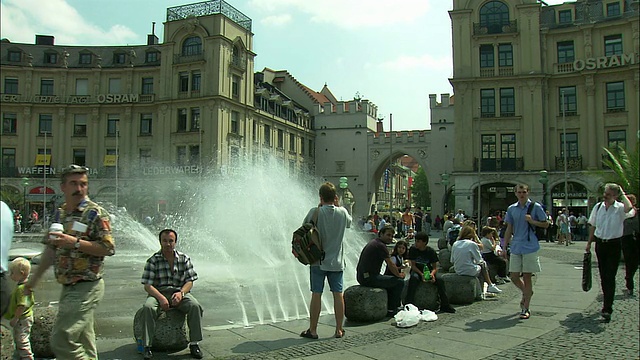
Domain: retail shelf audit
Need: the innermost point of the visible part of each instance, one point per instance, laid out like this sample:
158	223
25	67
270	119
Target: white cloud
410	62
22	19
276	20
352	14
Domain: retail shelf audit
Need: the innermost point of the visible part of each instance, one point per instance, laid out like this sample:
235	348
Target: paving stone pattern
578	337
581	336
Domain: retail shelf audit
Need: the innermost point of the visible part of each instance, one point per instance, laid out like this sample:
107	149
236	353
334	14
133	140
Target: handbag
586	271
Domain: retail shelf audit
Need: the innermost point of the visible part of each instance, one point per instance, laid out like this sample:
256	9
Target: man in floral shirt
77	255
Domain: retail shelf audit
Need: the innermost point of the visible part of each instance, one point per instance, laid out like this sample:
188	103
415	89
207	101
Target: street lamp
444	178
25	211
544	179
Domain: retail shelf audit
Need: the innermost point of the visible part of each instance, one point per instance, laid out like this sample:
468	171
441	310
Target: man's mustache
76	193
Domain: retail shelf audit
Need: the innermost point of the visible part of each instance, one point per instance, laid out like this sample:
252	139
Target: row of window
186	82
507	146
612	9
566	49
567	96
496	13
11	86
45	124
565	52
87	58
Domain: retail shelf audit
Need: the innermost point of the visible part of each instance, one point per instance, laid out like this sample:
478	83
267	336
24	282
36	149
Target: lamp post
544	179
564	151
444	178
25	211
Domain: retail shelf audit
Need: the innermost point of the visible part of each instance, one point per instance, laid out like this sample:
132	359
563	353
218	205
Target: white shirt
465	256
609	223
582	220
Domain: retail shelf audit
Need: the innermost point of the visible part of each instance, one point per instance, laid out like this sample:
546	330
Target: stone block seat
365	304
426	296
462	290
171	330
444	257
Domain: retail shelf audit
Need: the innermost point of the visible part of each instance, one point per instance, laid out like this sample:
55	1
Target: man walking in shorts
524	244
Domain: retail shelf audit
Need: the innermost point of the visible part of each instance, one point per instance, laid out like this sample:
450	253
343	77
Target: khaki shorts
524	263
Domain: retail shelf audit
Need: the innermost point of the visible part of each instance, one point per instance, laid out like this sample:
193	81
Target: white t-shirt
465	256
487	245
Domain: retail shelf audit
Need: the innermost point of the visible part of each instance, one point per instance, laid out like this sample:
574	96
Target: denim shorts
316	278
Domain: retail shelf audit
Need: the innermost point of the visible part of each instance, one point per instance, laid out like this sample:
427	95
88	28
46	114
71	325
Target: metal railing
507	27
573	163
209	8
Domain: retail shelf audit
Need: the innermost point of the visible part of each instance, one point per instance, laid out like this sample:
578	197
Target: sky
393	53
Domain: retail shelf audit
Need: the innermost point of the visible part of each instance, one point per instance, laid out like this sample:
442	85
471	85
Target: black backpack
540	233
306	245
453	235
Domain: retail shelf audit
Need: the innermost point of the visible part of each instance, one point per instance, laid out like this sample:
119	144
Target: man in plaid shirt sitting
168	278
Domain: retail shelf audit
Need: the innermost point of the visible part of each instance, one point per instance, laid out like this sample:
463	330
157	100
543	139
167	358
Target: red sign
41	190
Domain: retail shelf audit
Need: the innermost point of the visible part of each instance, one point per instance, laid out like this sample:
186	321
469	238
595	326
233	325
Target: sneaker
493	289
195	351
147	354
499	281
606	317
506	279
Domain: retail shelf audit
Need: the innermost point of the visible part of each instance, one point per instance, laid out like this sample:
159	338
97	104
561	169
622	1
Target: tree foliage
420	194
626	170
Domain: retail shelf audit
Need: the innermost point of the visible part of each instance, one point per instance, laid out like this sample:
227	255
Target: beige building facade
532	80
185	108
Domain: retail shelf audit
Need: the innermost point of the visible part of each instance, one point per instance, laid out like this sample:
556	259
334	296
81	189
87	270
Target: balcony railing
508	27
184	59
147	98
564	68
205	8
573	163
503	164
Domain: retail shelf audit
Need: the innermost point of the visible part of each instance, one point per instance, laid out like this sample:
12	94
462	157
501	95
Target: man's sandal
307	334
338	335
525	314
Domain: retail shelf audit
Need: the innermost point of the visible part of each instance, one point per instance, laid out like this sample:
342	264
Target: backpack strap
529	210
314	221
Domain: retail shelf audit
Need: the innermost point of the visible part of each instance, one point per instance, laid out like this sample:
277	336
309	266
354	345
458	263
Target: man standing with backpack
332	223
524	245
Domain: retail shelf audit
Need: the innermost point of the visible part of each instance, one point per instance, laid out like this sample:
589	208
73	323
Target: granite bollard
171	331
365	304
461	289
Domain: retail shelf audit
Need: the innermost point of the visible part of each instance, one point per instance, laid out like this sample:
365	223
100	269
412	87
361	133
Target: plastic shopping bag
428	315
408	317
586	271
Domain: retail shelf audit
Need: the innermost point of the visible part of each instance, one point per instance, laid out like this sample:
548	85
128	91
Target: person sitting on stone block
168	278
491	254
370	264
467	260
424	261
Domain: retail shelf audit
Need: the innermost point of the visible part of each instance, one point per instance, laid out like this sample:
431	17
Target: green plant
624	165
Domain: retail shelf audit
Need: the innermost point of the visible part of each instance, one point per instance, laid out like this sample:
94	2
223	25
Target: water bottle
55	228
427	273
140	346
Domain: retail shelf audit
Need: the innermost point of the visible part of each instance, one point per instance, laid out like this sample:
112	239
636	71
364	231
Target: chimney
44	40
152	39
379	126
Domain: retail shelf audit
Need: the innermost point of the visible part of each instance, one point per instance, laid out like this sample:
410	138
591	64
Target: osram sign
604	62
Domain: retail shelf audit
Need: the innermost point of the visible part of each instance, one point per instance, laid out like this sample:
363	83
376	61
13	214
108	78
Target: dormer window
152	57
14	56
51	58
118	58
192	46
86	59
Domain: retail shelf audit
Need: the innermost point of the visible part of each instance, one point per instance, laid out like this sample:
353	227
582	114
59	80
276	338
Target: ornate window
494	15
507	102
566	53
487	103
192	46
569	99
